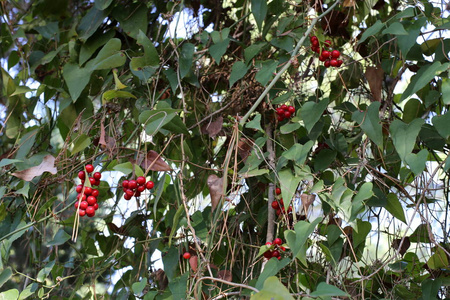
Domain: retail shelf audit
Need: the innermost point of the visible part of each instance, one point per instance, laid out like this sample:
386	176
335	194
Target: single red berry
269	244
280	118
83	204
335	53
333	63
316	49
268	254
321	58
313	38
125	184
186	255
132	184
95	206
275	205
275	253
82	175
291	109
87	190
140	180
95	193
326	64
149	185
289	209
82	212
79	188
82	196
91	200
315	43
127	197
280	111
326	53
92	180
76	204
141	188
283	248
281	202
278	191
278	212
89	168
97	182
97	175
283	107
129	192
287	114
137	194
339	63
327	43
278	241
90	211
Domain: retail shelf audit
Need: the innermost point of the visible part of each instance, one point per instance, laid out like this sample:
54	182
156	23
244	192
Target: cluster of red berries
87	196
278	204
136	187
285	112
328	57
274	249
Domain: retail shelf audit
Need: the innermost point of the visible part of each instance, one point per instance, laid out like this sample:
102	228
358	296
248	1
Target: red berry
132	184
82	175
275	205
315	43
280	111
287	114
92	180
95	193
140	180
281	202
137	194
90	211
269	244
76	204
313	38
316	49
283	248
97	182
125	184
95	206
283	107
339	63
82	212
289	209
275	253
278	241
327	43
326	64
82	196
268	254
129	192
149	185
280	118
83	204
326	54
89	168
79	188
127	197
97	175
335	53
333	63
87	190
278	212
91	200
278	191
321	58
141	188
186	255
291	109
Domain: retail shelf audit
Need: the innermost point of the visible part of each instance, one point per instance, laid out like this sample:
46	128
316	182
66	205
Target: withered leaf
213	128
154	162
47	165
193	262
307	200
405	246
161	278
244	148
374	76
225	275
215	185
348	3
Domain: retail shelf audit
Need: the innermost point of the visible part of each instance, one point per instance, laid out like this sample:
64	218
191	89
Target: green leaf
272	267
297	239
311	112
8	161
102	4
150	54
90	22
428	47
360	233
60	238
186	59
238	71
289	127
109	56
81	143
22	90
76	79
221	41
323	159
423	77
93	43
255	123
404	136
154	120
395	207
26	143
445	90
417	162
441	123
178	286
370	123
325	290
112	94
406	42
259	11
438	260
298	152
132	17
289	184
125	168
372	30
49	31
170	261
395	28
430	287
413	109
44	272
420	235
138	287
5	276
9	294
266	71
252	50
365	192
273	289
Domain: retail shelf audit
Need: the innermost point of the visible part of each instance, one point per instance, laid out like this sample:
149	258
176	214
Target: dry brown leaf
155	162
193	262
213	128
349	3
374	76
225	275
307	200
405	246
215	185
244	148
47	165
161	278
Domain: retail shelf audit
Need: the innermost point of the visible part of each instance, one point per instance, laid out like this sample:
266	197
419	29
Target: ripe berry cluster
278	204
328	57
274	249
285	112
136	187
87	196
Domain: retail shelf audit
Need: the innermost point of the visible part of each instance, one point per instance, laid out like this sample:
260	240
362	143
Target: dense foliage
186	95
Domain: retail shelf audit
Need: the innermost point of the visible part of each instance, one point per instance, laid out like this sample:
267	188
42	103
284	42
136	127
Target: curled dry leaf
47	165
161	278
244	148
193	262
225	275
215	185
213	128
374	76
307	200
154	162
405	246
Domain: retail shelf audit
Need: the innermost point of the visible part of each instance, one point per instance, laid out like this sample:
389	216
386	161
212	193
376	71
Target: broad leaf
395	207
311	112
404	136
259	11
273	289
238	71
370	123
